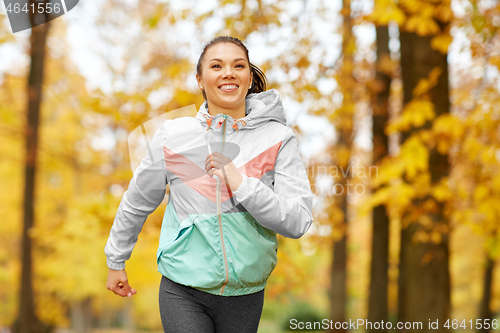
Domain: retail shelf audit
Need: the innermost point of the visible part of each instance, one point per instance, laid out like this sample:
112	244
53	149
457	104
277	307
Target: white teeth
228	87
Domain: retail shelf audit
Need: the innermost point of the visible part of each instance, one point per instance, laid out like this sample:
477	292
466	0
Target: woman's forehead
225	51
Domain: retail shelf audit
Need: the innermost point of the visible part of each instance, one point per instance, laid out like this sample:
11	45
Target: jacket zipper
219	199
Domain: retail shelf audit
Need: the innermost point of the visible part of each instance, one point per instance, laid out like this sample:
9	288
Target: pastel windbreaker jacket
212	239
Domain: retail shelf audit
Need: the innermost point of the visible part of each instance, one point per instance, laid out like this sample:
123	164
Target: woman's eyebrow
217	59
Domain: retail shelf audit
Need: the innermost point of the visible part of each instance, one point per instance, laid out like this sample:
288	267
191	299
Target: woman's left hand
223	166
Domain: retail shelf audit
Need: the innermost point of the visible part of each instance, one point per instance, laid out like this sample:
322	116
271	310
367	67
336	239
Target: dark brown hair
259	80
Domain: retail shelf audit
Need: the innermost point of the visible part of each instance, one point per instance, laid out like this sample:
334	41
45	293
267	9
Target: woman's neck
234	113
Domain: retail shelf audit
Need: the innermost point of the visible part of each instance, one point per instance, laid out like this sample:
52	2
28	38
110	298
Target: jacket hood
259	109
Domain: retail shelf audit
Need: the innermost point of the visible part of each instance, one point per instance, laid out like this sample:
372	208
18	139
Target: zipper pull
221	120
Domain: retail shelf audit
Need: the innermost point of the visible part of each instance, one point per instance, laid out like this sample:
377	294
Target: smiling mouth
228	87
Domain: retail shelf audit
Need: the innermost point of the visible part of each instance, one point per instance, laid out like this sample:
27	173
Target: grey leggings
184	309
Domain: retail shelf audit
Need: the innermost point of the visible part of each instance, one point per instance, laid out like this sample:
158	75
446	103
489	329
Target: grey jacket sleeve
145	192
288	209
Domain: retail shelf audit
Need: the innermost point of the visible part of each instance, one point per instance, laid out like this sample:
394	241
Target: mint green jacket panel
191	255
252	250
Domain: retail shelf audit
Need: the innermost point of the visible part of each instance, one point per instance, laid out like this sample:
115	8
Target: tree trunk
338	282
484	309
128	317
377	302
338	279
405	238
81	315
27	321
424	285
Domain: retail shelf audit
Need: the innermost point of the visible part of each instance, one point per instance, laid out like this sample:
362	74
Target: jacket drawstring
235	125
209	120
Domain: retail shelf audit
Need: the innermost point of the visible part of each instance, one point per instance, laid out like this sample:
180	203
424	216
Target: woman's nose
228	72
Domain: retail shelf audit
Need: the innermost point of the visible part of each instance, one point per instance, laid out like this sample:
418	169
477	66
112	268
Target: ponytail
259	81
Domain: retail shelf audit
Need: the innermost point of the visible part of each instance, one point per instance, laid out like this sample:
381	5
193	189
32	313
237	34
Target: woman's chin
231	101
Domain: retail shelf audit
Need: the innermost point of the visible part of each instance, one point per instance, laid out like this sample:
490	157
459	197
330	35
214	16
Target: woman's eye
240	65
213	66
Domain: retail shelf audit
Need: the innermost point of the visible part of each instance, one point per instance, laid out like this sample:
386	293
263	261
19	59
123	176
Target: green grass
268	326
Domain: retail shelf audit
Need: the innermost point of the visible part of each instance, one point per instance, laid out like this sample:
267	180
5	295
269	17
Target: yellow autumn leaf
471	147
424	135
415	114
430	206
385	11
488	155
419	111
389	170
396	14
443	11
434	75
487	210
386	64
491	245
425	221
415	155
402	196
343	155
441	42
436	237
480	192
441	190
423	86
420	236
422	25
399	124
446	129
411	6
380	196
495	61
426	84
495	182
421	184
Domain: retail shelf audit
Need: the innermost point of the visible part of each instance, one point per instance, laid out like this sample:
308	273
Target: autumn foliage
438	173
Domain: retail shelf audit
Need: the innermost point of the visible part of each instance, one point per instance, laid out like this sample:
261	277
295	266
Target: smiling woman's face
225	76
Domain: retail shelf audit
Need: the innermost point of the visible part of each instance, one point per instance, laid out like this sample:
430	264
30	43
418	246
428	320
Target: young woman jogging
236	181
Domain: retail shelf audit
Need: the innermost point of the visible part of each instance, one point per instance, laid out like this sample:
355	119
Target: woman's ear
198	79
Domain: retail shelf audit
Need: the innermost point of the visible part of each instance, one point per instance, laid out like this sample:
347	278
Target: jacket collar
259	109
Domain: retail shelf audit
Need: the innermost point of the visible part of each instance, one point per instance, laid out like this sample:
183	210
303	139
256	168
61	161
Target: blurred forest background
396	107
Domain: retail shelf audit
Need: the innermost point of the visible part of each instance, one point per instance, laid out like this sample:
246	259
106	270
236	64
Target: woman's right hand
118	283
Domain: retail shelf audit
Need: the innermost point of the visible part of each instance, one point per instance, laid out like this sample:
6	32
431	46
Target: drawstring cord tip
209	121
